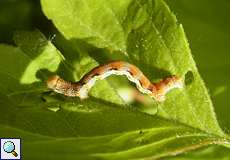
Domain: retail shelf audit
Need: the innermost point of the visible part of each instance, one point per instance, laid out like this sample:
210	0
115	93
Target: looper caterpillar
82	87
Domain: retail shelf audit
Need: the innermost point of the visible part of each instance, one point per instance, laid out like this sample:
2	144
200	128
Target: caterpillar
81	88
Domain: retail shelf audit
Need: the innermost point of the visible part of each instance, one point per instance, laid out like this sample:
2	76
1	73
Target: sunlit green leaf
142	32
155	42
208	33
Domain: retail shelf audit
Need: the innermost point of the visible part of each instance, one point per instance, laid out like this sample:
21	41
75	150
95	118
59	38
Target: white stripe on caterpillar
82	87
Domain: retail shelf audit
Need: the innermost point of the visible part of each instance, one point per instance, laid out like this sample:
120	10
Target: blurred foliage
21	15
207	28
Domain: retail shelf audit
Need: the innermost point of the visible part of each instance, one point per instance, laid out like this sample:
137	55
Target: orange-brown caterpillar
82	87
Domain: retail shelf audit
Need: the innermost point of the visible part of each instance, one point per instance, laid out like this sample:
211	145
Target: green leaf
209	39
209	36
92	128
155	42
85	26
57	127
41	51
212	153
82	132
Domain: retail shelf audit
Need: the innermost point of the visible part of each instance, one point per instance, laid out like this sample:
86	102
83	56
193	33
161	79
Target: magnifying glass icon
9	147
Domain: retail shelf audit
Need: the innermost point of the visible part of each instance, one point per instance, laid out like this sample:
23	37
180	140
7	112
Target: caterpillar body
82	87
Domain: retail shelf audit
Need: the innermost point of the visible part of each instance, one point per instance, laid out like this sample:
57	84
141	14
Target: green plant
143	32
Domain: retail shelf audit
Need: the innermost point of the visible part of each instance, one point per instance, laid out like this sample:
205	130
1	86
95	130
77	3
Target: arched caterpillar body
82	87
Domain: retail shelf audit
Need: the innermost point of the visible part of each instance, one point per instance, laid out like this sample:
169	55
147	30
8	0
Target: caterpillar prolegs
82	87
